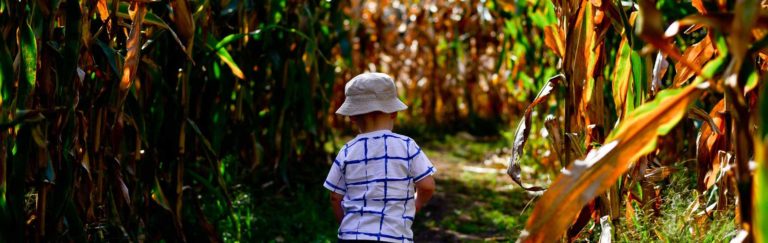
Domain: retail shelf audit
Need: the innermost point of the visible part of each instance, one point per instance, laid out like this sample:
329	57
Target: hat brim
353	108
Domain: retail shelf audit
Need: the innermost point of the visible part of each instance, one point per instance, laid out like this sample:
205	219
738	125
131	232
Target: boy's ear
393	115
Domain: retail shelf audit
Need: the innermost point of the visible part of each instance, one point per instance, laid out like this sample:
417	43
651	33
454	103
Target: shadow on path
474	201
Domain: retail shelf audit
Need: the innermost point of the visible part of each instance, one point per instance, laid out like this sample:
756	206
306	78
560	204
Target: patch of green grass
475	209
302	215
467	148
673	224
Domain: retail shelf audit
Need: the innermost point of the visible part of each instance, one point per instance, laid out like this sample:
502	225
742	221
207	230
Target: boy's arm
338	212
424	189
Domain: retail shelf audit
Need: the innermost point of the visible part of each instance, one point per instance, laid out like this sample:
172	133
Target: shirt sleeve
335	180
421	167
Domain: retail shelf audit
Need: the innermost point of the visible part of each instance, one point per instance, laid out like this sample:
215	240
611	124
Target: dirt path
475	199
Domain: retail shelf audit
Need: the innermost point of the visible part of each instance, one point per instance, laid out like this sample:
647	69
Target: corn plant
140	120
633	51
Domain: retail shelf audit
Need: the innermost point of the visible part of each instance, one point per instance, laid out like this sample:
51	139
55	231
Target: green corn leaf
225	57
159	197
233	37
640	75
28	48
6	77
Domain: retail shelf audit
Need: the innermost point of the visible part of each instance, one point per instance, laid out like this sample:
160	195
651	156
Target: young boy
380	179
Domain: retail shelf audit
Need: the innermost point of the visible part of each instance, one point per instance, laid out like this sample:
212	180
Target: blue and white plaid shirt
376	172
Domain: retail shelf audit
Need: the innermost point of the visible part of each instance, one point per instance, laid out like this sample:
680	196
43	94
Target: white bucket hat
369	92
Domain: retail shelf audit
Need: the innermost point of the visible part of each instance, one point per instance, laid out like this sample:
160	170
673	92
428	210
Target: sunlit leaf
524	129
622	77
103	10
585	179
760	187
697	54
554	39
152	19
133	48
225	57
229	39
640	77
699	5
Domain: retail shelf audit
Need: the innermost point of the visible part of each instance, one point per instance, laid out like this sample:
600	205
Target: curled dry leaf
701	115
151	19
710	142
660	67
585	179
133	47
524	129
606	229
555	136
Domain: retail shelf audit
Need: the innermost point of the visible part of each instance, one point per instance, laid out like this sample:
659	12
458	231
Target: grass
302	215
672	224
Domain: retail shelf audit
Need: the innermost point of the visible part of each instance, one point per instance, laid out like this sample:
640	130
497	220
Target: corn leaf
586	179
133	47
103	10
622	77
159	197
183	19
225	57
760	187
152	19
28	48
760	190
554	39
697	54
524	129
6	76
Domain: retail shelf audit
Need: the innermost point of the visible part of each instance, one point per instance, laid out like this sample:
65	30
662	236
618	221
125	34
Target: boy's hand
424	189
338	212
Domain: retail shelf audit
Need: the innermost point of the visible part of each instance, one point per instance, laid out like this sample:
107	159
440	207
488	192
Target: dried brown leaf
524	129
133	47
103	10
698	54
184	21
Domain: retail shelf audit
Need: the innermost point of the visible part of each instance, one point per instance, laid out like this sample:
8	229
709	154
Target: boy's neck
377	128
375	122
